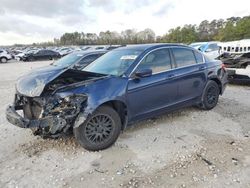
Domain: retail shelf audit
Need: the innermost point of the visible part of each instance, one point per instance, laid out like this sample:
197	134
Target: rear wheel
100	130
3	60
210	95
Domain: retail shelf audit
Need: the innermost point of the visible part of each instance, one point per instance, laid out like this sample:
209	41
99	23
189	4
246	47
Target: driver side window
157	61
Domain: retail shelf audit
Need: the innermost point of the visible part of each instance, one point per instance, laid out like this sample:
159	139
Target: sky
29	21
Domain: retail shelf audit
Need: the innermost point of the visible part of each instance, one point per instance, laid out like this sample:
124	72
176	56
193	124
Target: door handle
202	68
170	76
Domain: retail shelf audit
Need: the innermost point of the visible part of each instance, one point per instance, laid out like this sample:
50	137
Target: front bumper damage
16	119
55	115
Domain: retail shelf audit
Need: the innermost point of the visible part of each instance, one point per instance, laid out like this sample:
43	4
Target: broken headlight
66	105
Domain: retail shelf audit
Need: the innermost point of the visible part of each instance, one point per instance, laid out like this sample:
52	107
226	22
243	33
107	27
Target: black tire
91	131
3	60
210	95
30	59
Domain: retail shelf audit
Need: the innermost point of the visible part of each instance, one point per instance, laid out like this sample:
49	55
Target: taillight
223	66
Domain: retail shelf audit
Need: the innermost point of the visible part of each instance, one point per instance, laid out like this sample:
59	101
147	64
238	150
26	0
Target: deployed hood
34	83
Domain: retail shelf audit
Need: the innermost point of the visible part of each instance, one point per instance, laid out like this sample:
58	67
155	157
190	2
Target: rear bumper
14	118
237	77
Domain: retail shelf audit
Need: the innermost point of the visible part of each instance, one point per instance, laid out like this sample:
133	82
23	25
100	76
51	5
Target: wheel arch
215	79
121	108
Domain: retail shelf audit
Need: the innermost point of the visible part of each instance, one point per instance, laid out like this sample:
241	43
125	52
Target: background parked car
211	49
20	56
79	59
41	55
4	56
236	57
65	51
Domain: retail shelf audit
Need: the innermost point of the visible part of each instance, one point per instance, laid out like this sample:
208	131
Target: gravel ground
187	148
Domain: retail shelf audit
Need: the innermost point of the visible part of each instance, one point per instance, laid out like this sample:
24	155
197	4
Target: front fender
101	92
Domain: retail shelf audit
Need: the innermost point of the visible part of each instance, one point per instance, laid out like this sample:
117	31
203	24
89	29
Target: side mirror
143	73
77	66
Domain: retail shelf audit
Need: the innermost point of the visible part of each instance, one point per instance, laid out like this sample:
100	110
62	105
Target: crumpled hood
33	83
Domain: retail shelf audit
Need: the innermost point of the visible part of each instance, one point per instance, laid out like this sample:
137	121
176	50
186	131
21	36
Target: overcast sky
28	21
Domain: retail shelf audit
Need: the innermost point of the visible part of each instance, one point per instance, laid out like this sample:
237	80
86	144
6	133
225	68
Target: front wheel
210	95
3	60
100	130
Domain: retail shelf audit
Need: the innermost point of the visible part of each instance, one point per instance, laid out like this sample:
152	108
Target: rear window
199	57
184	57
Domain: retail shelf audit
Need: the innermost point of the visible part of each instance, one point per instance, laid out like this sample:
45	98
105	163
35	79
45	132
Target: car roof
144	47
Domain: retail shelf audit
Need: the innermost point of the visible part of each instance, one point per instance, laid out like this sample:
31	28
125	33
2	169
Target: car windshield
202	48
114	62
68	60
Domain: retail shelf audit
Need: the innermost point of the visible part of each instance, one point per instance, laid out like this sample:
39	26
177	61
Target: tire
29	59
88	134
3	60
210	95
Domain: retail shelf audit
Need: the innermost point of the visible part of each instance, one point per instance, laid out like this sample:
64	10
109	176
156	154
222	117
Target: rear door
155	92
190	73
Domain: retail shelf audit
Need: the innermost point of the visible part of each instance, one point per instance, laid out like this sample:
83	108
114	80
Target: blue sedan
123	86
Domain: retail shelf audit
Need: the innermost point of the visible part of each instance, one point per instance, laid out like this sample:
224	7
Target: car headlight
66	105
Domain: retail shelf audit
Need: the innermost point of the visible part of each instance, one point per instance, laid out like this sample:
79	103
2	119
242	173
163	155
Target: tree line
234	28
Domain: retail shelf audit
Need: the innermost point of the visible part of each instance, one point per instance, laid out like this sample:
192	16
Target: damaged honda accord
123	86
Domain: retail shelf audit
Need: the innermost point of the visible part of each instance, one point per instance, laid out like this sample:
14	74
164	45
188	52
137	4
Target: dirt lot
188	148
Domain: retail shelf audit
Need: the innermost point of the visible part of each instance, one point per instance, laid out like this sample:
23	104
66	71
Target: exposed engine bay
69	77
55	110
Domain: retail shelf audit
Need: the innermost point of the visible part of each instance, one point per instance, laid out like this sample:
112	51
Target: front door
155	92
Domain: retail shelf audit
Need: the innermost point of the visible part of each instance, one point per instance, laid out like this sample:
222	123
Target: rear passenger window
199	57
157	61
183	57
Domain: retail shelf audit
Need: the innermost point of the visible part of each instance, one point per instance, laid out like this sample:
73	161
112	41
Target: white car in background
65	51
20	56
4	56
211	49
236	57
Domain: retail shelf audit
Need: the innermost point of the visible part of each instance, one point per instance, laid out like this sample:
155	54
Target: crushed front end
47	116
48	100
